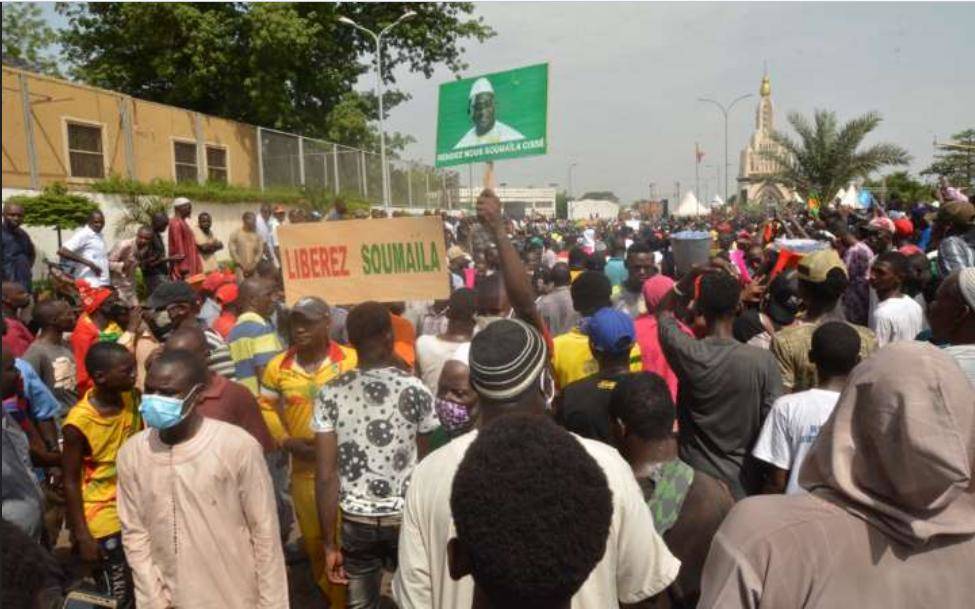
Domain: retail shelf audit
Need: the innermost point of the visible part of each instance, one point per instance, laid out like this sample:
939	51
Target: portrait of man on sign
487	129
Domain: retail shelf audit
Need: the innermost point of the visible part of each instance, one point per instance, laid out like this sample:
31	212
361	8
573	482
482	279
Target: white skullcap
181	201
966	281
481	85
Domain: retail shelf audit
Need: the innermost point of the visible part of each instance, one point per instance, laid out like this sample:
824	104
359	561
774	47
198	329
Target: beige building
58	131
755	183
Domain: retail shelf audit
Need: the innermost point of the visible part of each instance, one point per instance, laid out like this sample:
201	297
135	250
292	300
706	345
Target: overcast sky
624	79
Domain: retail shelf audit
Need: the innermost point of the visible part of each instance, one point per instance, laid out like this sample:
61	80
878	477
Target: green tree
827	155
956	161
286	65
137	210
562	205
901	188
27	38
55	207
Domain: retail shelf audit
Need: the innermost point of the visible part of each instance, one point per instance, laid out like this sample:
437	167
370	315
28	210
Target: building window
217	164
185	155
85	151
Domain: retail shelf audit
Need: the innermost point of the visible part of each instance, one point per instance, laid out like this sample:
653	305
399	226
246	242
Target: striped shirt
253	343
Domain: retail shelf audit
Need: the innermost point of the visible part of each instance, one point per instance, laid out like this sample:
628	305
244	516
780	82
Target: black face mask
160	325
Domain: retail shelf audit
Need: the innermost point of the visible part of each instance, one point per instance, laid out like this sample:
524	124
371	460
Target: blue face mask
163	412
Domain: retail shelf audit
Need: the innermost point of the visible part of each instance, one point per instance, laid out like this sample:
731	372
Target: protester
262	223
796	418
279	216
221	399
182	305
509	372
880	234
289	385
196	502
583	407
648	336
14	298
87	250
889	516
556	307
123	260
18	249
616	265
105	319
778	308
952	315
372	425
524	546
456	403
897	316
822	283
727	388
640	266
432	351
457	261
572	359
155	264
207	243
246	247
94	430
182	242
956	224
687	505
226	296
404	335
253	341
857	256
50	355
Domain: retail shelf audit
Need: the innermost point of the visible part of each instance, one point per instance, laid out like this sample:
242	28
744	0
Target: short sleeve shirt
91	246
376	415
253	343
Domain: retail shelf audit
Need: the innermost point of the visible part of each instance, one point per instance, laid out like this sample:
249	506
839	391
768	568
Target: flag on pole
698	153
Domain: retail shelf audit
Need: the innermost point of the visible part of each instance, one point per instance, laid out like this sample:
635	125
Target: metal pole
35	182
724	111
382	128
409	184
260	158
365	176
301	160
335	166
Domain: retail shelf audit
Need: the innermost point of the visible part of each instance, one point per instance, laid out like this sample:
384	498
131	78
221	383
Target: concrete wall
155	127
226	219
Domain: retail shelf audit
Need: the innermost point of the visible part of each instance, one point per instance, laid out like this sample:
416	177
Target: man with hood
889	521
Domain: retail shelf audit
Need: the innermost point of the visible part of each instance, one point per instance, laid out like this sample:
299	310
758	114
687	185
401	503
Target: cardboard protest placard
494	116
353	261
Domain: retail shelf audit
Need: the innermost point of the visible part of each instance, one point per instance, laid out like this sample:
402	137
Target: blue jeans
366	550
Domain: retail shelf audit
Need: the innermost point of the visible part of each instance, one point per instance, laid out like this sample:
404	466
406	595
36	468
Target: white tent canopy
689	206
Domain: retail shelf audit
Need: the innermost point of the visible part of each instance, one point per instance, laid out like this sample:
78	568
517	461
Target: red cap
216	279
227	293
903	227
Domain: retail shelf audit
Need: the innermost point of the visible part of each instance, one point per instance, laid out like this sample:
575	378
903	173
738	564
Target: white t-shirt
896	319
431	354
91	246
636	565
376	415
791	428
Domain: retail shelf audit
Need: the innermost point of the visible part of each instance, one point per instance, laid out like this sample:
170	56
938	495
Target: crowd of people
588	420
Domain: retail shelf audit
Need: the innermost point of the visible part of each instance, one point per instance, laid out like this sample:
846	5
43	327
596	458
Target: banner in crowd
353	261
495	116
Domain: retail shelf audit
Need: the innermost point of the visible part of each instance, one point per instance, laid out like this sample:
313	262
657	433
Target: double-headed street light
378	39
725	110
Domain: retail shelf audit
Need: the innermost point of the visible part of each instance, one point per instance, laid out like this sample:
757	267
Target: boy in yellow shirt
94	430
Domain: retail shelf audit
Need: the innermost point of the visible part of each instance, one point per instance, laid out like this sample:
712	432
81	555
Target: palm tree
826	157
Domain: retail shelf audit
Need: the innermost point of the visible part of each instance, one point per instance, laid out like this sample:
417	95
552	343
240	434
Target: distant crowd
644	412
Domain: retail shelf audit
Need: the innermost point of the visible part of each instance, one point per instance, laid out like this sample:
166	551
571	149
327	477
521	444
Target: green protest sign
494	116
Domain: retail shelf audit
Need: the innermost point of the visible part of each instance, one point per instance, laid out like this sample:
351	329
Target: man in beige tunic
199	523
889	520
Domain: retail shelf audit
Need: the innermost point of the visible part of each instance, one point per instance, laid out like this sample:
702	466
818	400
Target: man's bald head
256	294
14	295
189	338
13	213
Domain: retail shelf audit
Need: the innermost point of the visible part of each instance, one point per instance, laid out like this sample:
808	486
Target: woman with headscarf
889	520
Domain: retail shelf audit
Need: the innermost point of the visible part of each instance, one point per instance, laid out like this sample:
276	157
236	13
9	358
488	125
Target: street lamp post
378	39
725	110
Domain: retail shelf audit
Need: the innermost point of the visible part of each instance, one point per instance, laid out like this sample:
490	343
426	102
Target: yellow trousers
306	510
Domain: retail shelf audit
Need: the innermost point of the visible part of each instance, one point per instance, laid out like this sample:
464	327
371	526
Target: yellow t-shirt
290	390
572	359
105	435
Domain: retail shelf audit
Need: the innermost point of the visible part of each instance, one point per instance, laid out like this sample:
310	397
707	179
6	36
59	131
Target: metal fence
289	160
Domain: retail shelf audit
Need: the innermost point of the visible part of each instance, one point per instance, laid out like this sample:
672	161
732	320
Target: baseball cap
227	293
610	331
169	293
783	304
311	307
815	266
